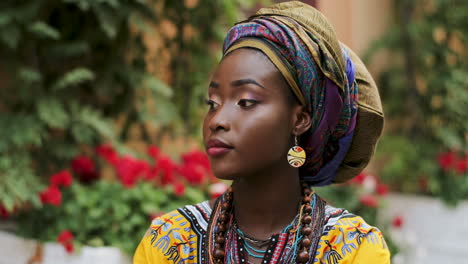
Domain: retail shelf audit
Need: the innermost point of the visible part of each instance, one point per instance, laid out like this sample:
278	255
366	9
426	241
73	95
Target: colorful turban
327	78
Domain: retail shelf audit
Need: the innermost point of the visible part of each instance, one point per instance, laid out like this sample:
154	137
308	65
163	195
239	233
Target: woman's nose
220	121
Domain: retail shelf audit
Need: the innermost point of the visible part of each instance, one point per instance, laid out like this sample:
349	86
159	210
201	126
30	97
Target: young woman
290	107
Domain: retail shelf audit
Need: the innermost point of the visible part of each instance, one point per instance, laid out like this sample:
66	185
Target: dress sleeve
145	254
372	253
350	240
170	239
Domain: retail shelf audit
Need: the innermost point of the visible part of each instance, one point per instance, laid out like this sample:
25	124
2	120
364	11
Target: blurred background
101	106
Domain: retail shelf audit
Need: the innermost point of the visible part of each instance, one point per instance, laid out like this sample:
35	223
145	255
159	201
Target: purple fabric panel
331	115
327	173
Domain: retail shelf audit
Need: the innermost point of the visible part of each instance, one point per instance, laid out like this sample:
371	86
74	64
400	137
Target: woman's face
249	124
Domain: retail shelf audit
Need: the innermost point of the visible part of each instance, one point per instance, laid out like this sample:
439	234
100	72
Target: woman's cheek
262	135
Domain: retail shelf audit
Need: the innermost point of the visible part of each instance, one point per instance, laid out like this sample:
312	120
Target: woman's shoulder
174	236
336	218
348	237
182	220
196	213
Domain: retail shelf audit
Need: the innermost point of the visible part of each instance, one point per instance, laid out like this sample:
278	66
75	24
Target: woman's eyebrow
245	81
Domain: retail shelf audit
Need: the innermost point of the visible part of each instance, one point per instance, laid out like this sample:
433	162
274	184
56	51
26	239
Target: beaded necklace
297	242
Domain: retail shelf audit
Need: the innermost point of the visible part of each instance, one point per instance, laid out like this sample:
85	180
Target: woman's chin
224	173
224	176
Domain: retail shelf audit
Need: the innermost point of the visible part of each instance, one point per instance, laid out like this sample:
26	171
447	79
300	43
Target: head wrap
326	77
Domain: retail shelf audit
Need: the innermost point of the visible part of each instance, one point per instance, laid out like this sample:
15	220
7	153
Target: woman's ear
302	121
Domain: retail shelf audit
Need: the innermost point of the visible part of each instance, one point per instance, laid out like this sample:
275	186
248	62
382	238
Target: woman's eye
247	102
212	104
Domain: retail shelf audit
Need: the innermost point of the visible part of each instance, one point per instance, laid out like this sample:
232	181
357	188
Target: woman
284	114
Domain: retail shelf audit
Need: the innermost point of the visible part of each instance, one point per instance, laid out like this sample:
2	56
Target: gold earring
296	155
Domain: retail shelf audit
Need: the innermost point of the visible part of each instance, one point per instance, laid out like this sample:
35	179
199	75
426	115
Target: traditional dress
179	237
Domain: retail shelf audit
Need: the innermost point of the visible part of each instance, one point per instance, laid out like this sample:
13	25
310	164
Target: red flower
130	170
446	160
108	153
461	165
62	178
69	247
195	167
166	167
368	200
217	189
66	239
179	189
152	174
192	173
359	179
3	212
397	221
51	195
153	152
84	167
382	189
197	157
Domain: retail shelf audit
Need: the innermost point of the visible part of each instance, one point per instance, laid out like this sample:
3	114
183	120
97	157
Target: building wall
357	22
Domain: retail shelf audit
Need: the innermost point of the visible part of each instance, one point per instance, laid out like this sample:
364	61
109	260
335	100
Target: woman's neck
266	202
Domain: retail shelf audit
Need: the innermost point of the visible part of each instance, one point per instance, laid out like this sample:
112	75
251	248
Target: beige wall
357	22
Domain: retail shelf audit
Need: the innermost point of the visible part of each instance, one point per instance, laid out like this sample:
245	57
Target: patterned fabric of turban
327	78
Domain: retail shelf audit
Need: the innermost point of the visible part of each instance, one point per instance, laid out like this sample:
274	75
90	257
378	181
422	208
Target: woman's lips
217	151
216	147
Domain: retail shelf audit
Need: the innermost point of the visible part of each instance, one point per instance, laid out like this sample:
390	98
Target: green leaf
69	49
112	3
29	75
19	130
5	18
84	5
10	35
449	137
158	86
94	119
108	21
82	133
52	112
8	202
96	242
73	78
44	30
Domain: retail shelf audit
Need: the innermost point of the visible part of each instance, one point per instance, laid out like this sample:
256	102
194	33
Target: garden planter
431	232
54	253
15	250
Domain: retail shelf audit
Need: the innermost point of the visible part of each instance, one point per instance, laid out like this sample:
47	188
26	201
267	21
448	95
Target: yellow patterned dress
177	238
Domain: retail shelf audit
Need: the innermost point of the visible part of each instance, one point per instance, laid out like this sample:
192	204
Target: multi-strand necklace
295	244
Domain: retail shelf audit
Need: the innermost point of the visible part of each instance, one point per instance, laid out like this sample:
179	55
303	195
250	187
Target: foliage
425	93
69	68
115	212
73	67
193	32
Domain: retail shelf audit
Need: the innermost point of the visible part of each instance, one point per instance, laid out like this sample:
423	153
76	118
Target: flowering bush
424	169
423	87
81	208
361	195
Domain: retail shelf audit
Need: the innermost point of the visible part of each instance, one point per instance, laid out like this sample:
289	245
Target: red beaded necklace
310	225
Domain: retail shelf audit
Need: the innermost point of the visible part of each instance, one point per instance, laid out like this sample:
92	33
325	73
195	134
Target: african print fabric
178	238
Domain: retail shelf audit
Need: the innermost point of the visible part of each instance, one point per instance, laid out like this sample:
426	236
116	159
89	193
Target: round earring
296	155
